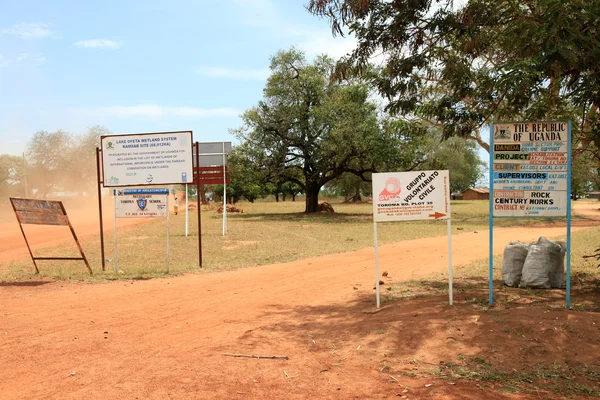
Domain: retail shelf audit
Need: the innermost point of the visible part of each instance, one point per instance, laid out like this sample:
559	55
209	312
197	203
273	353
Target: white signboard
212	153
209	160
407	196
530	169
214	147
147	159
141	203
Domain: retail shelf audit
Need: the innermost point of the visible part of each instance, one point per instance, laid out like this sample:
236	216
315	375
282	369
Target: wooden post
99	181
197	145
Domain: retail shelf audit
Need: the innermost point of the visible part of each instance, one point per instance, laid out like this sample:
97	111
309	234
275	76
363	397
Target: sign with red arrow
437	215
409	196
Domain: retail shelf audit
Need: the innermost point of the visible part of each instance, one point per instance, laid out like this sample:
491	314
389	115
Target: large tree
309	129
461	67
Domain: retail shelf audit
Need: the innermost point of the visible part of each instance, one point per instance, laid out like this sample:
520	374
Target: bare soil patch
165	338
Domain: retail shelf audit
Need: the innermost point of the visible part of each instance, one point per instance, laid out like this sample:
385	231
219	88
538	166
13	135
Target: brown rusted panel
214	181
47	207
38	218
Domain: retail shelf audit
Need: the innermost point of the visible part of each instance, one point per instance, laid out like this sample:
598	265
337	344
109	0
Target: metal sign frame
133	192
216	153
42	210
491	209
396	214
100	183
180	182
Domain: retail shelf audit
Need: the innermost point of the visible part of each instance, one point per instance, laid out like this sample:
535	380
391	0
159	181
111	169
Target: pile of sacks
538	265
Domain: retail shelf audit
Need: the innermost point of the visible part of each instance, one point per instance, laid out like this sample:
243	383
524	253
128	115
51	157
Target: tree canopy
461	67
309	130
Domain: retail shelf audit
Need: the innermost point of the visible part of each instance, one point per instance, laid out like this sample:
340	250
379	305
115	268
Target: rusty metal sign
40	212
44	212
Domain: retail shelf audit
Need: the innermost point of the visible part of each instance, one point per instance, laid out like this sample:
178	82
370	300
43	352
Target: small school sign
141	203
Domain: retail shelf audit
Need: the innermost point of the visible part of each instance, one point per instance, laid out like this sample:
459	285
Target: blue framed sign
530	176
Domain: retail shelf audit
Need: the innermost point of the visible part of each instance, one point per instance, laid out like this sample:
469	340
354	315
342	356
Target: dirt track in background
85	221
165	338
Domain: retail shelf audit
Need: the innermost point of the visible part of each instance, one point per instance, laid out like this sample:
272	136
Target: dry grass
266	233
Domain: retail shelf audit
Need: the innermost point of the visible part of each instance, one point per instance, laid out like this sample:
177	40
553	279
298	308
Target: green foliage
585	176
308	130
460	157
248	180
485	60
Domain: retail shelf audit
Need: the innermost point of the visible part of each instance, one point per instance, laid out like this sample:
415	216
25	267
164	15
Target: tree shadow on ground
24	283
512	343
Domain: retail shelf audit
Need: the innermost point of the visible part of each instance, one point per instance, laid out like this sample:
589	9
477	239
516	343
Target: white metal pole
224	194
116	256
376	262
450	260
187	222
168	226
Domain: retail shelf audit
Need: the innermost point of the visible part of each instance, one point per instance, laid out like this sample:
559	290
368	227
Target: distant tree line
53	162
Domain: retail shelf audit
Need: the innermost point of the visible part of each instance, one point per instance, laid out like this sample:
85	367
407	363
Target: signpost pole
168	229
187	220
100	181
491	217
568	261
199	205
224	194
116	242
376	263
37	271
449	260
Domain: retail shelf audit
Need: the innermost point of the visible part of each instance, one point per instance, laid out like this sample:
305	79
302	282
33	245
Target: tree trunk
294	197
283	196
202	194
356	197
277	197
312	199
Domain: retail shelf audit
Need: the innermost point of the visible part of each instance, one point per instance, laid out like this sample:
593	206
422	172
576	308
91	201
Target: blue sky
144	66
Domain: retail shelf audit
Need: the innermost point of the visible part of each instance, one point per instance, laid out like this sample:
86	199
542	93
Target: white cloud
155	111
29	31
23	59
99	44
232	73
324	43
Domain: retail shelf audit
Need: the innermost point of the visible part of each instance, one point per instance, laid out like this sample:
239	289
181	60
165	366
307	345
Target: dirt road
84	221
165	338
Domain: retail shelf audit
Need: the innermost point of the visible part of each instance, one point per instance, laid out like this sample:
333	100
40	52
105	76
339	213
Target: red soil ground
165	338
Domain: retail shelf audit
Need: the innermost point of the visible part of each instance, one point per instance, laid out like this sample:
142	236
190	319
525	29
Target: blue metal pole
568	300
491	212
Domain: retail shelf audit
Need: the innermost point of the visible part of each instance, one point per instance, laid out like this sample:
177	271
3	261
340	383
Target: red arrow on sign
437	215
